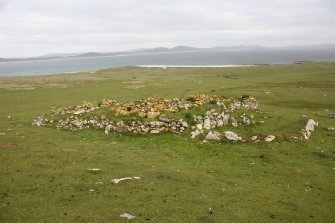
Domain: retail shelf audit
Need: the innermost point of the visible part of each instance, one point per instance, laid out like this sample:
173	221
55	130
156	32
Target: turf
44	176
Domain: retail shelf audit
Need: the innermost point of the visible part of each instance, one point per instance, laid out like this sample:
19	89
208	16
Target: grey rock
213	136
232	136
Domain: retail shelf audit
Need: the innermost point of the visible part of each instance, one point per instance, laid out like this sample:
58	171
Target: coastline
197	66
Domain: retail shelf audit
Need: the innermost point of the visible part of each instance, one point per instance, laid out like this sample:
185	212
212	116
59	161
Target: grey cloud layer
35	27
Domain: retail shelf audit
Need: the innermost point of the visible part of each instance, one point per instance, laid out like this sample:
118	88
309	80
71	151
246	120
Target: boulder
213	136
232	136
309	128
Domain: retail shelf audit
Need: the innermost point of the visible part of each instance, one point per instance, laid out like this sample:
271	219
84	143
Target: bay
203	57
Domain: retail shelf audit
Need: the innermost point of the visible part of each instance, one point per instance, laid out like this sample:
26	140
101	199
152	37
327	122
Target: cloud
35	27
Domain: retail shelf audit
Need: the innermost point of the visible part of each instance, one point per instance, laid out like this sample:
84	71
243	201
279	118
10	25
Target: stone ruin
150	116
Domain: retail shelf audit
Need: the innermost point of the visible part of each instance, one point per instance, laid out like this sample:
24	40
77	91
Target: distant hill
164	50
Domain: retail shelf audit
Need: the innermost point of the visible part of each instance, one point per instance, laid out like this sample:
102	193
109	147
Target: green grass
44	175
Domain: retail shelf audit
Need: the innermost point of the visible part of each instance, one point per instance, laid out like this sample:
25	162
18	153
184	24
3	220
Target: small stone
116	181
154	131
253	138
94	169
309	128
207	124
270	138
199	126
246	121
39	121
195	133
126	215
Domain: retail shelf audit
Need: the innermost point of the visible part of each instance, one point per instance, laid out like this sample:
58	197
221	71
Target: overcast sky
37	27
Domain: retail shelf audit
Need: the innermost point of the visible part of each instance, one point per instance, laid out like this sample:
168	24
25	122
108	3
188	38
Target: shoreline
140	66
197	66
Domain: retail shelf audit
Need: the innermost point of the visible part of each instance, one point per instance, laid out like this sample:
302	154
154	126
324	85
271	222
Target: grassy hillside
44	170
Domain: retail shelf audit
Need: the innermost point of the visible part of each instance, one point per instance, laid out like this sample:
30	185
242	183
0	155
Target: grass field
44	176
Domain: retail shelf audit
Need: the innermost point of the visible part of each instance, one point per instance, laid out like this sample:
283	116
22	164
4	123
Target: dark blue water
212	57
